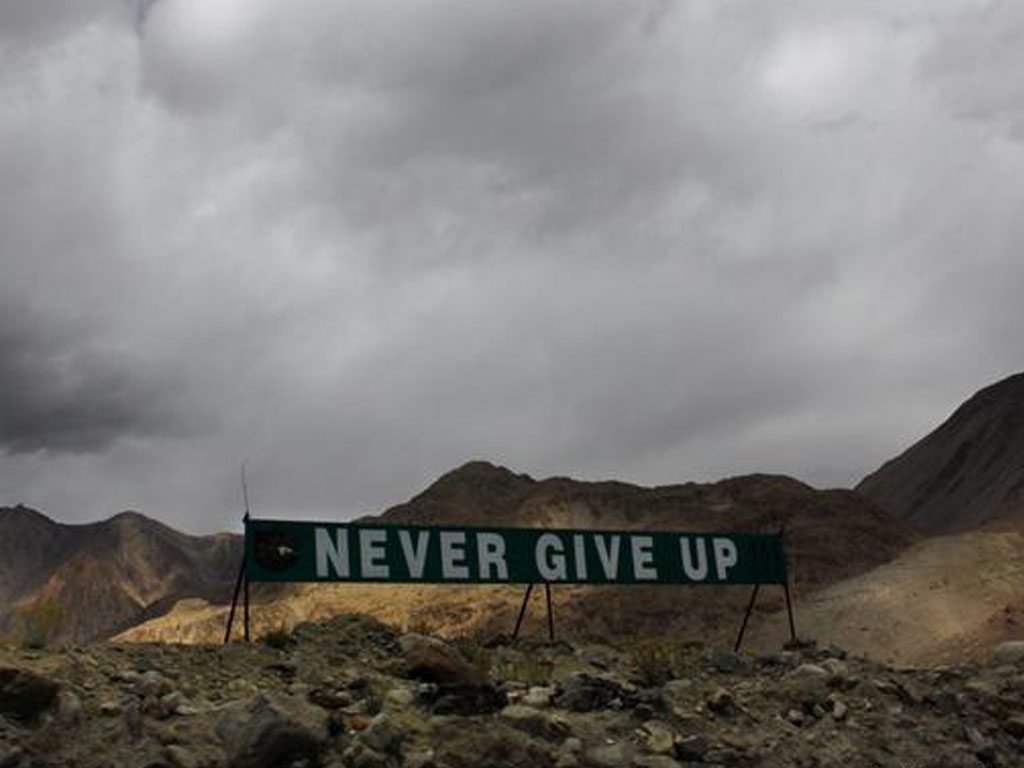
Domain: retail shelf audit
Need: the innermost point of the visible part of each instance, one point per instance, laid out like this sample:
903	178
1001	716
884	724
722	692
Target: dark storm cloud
655	241
57	394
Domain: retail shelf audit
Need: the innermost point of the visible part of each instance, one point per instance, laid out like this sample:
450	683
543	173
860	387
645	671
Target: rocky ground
352	692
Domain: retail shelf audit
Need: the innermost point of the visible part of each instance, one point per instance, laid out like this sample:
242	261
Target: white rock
538	696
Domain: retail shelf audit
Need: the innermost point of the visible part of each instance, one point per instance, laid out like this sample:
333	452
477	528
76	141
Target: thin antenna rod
245	492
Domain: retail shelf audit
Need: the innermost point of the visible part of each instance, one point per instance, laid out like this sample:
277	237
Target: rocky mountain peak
967	473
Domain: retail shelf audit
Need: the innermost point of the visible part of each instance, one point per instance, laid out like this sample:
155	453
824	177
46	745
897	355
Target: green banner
284	550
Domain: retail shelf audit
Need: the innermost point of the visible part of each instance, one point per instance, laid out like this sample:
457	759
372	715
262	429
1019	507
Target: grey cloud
658	242
39	21
57	394
971	62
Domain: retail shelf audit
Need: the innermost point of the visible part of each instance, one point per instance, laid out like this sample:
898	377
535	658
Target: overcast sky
356	244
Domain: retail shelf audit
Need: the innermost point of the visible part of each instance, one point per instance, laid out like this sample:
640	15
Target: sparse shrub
656	662
529	668
40	622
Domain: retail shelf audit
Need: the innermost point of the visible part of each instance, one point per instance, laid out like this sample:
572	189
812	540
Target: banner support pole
522	611
245	609
789	611
746	617
785	586
243	577
234	600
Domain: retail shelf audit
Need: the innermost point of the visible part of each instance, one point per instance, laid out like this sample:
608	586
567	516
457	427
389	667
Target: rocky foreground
352	692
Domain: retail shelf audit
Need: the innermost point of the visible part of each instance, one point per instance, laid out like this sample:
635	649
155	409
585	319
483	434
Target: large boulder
25	695
453	686
272	730
434	661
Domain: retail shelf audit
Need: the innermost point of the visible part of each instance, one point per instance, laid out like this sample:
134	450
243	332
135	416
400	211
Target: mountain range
851	551
85	582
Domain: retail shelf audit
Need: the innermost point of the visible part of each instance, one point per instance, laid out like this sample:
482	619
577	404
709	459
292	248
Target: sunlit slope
944	599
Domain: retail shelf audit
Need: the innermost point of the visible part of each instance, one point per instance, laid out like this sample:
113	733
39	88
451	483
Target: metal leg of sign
551	615
245	609
234	600
522	611
746	618
789	611
785	586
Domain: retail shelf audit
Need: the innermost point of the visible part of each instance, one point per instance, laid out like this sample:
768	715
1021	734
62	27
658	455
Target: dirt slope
944	600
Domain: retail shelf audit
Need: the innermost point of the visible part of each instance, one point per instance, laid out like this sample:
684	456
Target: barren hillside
72	583
969	472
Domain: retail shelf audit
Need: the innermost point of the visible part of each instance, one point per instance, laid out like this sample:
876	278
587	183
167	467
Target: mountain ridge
101	577
966	473
830	535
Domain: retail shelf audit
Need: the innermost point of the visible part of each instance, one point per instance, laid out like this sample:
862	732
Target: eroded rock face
349	692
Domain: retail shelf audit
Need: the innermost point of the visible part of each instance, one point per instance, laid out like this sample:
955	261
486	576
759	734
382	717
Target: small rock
954	760
466	700
1009	652
832	652
361	756
721	702
1015	726
836	669
796	717
807	670
527	719
193	756
839	710
585	693
383	735
400	697
573	745
658	737
610	756
11	756
133	720
329	698
675	690
152	683
984	748
175	703
539	696
692	747
110	707
725	661
69	707
420	757
655	761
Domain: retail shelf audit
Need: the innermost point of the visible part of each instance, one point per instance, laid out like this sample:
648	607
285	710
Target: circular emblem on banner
276	550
